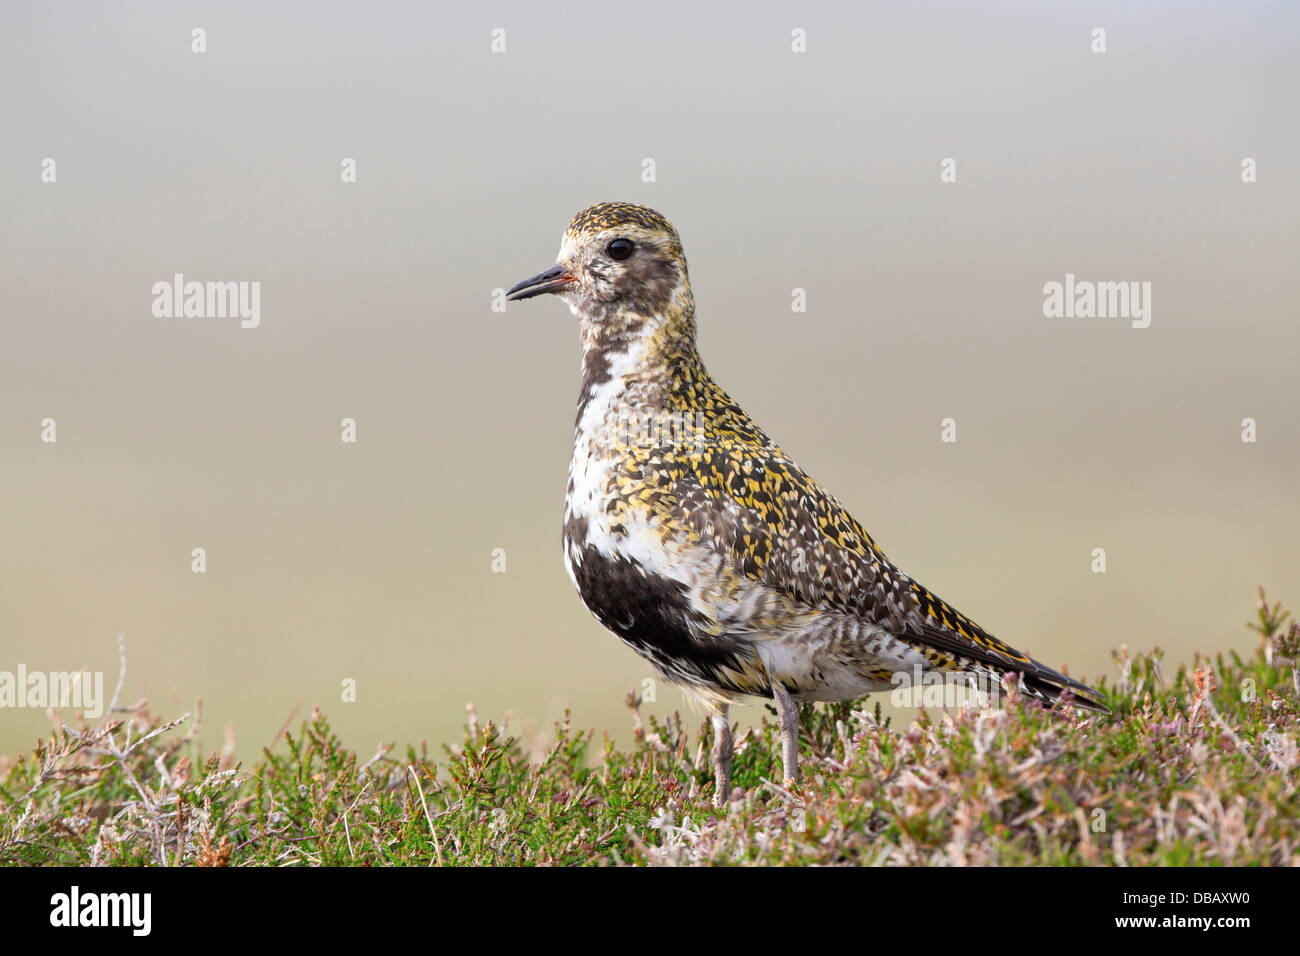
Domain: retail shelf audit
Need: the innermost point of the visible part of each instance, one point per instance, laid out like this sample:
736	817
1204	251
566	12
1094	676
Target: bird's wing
779	527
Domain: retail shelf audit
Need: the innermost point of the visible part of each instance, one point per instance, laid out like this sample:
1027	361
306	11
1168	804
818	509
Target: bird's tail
1050	686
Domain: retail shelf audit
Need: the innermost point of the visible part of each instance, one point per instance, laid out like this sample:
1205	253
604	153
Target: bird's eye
619	249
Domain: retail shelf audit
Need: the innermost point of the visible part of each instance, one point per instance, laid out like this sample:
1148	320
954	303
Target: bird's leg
721	758
787	712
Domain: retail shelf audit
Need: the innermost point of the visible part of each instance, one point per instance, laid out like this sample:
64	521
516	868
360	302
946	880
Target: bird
700	543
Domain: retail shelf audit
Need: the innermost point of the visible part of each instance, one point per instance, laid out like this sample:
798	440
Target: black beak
552	280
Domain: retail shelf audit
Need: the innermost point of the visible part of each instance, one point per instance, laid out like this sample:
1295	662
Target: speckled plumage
695	538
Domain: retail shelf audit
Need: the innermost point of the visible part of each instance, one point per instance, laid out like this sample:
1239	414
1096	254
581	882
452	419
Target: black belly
652	614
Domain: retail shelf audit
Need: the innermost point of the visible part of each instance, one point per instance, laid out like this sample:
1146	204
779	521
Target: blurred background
819	170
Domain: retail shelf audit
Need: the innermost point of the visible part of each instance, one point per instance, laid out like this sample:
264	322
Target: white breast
595	454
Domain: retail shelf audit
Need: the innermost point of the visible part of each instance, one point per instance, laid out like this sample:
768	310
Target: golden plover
700	543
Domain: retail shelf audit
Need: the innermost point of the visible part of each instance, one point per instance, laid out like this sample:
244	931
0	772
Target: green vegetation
1200	768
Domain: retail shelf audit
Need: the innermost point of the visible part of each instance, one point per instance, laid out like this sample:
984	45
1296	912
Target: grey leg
722	753
787	713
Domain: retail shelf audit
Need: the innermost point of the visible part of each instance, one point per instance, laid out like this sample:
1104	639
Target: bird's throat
632	361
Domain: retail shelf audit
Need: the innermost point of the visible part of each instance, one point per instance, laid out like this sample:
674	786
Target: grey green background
818	171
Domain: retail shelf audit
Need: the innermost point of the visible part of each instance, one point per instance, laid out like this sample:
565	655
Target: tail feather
1048	685
973	647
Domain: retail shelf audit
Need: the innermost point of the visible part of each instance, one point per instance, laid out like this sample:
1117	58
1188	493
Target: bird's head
621	270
